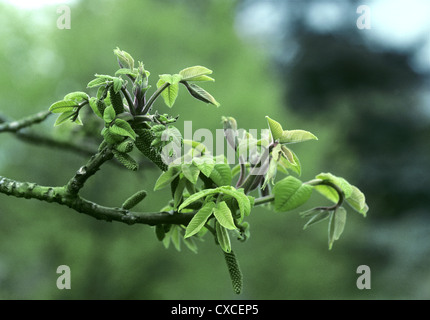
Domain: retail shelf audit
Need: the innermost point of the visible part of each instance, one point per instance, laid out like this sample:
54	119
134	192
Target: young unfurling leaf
63	106
337	220
222	237
109	114
167	177
77	96
62	118
275	128
124	58
196	73
170	93
357	201
200	93
294	136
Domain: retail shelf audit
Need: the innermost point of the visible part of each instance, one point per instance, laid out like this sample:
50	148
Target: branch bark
15	126
60	195
93	165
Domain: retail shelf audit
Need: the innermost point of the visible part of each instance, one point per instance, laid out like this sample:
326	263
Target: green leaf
357	201
200	94
101	93
178	194
294	136
199	219
77	96
196	73
284	164
123	128
338	181
221	174
167	177
170	93
203	78
317	215
223	215
242	199
63	106
126	71
275	128
62	118
204	164
109	114
93	104
288	154
170	78
223	237
191	172
171	134
191	244
159	232
290	193
97	82
77	120
196	196
175	236
117	84
101	79
328	192
271	173
336	225
339	222
124	58
110	137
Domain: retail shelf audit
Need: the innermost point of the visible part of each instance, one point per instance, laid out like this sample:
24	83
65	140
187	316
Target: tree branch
15	126
93	165
60	195
154	97
33	137
18	128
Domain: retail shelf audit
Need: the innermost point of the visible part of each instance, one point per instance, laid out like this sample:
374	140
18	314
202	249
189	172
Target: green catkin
116	100
234	270
101	106
134	200
143	143
125	146
126	160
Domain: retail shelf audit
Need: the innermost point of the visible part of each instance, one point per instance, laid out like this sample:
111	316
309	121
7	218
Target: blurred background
363	92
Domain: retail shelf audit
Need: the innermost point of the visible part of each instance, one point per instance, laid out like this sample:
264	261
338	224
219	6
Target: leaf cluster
219	196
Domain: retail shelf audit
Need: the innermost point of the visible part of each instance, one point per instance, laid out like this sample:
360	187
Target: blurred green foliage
39	64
